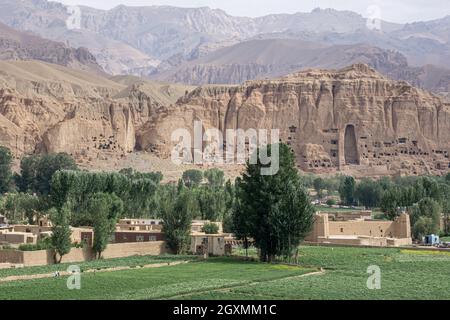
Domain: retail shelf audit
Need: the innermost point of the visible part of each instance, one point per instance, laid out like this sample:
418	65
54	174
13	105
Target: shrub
44	244
210	228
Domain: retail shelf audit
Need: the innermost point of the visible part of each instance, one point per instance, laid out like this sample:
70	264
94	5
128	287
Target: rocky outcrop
348	119
47	108
352	118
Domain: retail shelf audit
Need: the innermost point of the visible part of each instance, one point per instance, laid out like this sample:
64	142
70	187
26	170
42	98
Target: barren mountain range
344	97
259	59
16	45
199	43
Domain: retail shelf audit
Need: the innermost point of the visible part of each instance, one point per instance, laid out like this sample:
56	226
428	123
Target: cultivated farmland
405	274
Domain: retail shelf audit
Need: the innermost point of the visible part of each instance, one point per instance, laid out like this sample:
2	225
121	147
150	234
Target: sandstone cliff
353	118
49	108
348	119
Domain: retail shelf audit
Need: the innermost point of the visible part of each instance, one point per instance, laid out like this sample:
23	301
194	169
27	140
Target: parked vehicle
431	240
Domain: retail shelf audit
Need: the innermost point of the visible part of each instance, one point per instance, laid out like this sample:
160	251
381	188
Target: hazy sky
391	10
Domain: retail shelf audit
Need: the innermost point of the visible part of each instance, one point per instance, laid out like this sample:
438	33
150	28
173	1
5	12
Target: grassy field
135	261
405	274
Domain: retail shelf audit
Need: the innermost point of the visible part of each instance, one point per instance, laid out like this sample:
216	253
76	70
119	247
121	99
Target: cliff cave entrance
350	146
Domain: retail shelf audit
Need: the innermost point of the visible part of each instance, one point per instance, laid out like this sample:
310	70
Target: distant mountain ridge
145	41
16	45
259	59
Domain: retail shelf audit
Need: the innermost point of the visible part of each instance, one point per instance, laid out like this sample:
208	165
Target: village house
30	234
358	229
125	236
139	224
138	230
211	244
82	235
8	237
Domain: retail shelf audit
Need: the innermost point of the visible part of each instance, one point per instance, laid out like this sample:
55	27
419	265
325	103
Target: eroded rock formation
350	119
49	108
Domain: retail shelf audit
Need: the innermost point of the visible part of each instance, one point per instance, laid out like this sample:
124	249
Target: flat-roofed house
139	224
361	232
213	244
13	237
127	236
82	235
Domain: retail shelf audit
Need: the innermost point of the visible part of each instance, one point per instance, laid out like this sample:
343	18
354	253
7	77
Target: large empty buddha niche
350	146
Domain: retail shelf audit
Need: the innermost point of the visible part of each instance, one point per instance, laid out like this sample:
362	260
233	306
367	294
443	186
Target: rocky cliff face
349	119
48	108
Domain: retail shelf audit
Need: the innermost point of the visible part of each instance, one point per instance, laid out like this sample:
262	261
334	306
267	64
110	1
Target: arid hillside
16	45
269	58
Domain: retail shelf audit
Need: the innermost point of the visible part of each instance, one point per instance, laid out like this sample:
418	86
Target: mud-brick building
127	236
363	232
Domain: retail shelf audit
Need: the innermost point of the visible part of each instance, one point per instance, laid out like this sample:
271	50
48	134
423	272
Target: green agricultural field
405	274
135	261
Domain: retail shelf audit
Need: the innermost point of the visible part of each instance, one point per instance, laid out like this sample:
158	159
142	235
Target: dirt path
228	289
64	273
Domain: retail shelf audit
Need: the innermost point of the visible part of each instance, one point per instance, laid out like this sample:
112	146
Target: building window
139	238
342	230
152	238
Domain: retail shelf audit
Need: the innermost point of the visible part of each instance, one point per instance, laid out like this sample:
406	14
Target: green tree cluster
36	171
176	207
210	228
105	208
61	233
273	210
5	170
77	187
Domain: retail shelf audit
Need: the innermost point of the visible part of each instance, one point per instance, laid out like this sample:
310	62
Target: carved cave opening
350	146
